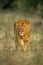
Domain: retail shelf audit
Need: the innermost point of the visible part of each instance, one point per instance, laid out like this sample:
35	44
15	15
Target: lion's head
22	26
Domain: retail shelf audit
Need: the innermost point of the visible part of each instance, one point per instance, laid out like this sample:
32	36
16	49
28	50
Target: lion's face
22	27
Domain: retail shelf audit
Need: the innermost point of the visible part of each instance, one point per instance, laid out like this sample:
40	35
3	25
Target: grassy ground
9	55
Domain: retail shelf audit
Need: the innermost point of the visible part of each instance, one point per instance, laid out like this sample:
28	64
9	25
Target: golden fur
22	31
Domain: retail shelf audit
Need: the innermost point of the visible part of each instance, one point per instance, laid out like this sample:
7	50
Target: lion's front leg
21	43
26	46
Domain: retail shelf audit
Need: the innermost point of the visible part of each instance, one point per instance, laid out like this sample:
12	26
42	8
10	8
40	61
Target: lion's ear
27	21
17	20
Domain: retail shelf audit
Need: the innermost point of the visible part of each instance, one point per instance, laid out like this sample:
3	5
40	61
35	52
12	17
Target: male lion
22	31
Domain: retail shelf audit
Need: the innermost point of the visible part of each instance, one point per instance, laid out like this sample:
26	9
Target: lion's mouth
21	33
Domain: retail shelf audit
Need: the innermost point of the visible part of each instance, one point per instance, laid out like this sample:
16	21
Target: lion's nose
21	30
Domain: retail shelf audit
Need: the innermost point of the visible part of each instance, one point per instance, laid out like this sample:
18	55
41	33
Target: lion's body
22	31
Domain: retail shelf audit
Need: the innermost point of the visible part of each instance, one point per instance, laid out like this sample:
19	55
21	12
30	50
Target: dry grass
9	55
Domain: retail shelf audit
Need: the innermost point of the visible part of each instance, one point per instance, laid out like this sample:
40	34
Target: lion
22	32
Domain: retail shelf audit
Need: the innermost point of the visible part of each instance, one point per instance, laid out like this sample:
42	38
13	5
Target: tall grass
9	55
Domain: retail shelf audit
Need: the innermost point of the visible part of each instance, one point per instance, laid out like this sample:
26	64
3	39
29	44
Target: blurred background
26	7
22	5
